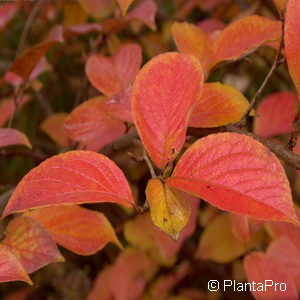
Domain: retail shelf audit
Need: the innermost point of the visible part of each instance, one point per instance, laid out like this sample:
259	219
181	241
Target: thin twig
276	63
149	164
28	25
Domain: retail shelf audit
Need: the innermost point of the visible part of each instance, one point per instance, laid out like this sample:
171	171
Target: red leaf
7	12
31	243
101	289
211	25
10	267
220	104
262	269
71	178
89	123
145	13
191	39
275	114
139	269
28	60
292	40
40	68
240	228
111	75
163	95
285	252
76	228
7	107
278	230
11	137
244	36
236	173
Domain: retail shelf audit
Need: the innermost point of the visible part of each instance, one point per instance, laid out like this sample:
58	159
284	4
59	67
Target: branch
27	25
276	63
120	144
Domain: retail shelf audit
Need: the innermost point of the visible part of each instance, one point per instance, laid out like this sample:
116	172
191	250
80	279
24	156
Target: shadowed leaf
76	228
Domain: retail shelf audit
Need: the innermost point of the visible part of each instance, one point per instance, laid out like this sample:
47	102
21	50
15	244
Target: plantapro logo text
264	286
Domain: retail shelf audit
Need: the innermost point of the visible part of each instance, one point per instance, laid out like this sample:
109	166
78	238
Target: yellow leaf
170	211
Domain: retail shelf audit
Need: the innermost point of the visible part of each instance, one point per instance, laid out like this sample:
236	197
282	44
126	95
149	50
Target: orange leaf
111	75
285	252
11	137
90	122
220	104
236	173
292	40
218	243
31	243
124	5
7	107
142	233
244	36
169	209
280	4
98	8
275	114
71	178
78	229
191	39
28	60
163	95
53	127
262	269
10	267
